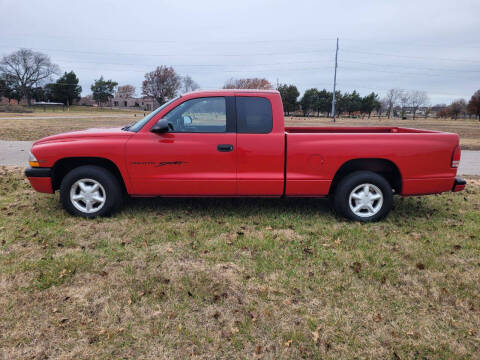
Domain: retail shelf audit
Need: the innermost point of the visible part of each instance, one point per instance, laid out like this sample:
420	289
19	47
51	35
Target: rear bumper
459	184
40	179
432	185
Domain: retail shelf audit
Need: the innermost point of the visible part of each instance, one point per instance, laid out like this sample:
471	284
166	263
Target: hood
85	134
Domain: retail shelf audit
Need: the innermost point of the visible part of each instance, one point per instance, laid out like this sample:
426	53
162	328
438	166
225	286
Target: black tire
110	189
342	201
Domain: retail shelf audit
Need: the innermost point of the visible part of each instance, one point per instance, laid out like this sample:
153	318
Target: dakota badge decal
159	163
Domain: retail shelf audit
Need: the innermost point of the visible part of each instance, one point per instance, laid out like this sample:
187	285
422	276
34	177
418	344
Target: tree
248	83
27	69
404	98
289	94
65	89
474	104
39	94
162	84
417	99
370	103
340	102
308	101
443	113
9	88
352	102
188	84
324	102
3	88
428	111
103	90
126	91
391	99
457	107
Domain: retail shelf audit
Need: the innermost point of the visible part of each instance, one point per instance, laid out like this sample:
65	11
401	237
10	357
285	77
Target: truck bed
422	157
353	129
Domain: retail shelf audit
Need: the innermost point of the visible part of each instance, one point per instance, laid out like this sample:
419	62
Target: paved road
16	153
470	163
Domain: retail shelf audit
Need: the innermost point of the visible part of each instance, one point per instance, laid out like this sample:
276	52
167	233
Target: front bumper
40	179
459	184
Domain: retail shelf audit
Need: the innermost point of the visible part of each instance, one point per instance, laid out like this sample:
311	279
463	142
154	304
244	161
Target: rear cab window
254	115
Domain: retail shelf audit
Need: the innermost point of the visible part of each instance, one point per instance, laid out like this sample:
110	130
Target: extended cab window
206	115
254	115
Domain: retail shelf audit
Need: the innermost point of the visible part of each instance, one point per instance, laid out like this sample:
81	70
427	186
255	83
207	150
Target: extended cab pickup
234	143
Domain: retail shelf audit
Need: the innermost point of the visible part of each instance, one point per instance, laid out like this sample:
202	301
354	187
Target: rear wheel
363	196
90	191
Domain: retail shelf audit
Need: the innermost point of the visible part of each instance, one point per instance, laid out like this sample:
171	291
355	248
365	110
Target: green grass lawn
238	278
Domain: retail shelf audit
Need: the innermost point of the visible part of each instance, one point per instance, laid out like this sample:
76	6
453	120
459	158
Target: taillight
456	157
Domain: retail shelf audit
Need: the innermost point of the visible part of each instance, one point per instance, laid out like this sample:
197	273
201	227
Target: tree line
26	74
461	107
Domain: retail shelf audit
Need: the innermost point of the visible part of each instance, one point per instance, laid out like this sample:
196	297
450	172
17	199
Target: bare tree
248	83
27	69
126	91
162	84
417	99
457	107
404	98
188	84
474	104
391	99
428	112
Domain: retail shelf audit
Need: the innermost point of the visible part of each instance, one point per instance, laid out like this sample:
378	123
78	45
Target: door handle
225	147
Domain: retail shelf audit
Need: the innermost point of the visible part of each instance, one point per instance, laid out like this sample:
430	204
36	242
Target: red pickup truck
233	143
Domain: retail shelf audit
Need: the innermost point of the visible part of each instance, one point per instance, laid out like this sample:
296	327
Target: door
260	148
196	157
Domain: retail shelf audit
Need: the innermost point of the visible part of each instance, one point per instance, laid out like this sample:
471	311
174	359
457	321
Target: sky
429	45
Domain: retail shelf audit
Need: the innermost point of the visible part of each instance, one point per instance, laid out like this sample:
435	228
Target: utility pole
334	84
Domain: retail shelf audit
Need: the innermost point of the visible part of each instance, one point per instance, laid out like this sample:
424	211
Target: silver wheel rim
366	200
88	195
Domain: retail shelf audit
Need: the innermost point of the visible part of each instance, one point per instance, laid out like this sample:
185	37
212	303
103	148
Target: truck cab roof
230	91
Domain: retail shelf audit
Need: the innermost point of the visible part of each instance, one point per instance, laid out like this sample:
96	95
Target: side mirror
160	127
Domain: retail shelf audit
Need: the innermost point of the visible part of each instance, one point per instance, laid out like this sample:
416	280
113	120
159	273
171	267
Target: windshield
140	123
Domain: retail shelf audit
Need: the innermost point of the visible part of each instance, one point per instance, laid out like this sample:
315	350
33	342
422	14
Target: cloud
427	45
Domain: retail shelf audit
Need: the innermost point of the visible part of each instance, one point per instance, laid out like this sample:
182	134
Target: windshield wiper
125	128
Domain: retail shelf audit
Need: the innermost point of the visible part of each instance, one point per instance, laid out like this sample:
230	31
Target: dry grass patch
35	126
238	278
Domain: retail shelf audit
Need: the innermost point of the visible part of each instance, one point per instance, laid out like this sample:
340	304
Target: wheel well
63	166
383	167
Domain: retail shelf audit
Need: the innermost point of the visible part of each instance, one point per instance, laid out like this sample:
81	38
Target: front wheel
90	191
363	196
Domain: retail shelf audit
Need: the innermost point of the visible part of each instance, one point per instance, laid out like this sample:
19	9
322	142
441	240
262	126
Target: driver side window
207	115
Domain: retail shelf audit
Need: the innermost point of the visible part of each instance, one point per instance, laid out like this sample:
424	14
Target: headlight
32	160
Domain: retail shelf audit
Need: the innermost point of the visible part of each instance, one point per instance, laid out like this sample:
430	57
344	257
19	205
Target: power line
409	43
194	65
141	40
213	70
410	57
398	72
439	44
409	67
252	54
274	64
174	55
